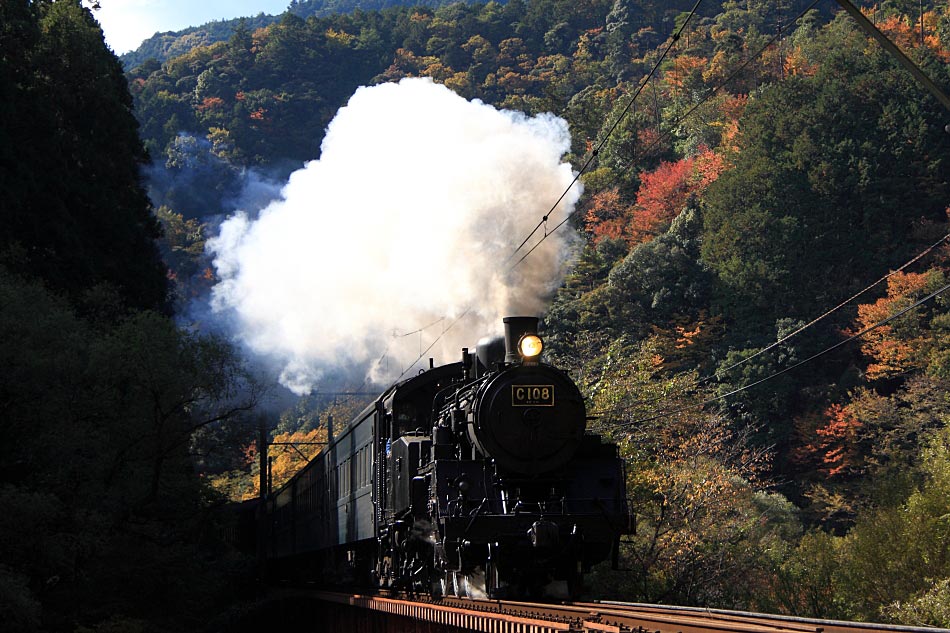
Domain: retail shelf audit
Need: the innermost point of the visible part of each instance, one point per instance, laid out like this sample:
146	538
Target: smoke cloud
403	228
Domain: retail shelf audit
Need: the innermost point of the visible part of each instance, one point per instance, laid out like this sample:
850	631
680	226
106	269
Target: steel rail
786	622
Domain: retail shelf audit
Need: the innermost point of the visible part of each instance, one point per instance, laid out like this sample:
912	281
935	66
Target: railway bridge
324	611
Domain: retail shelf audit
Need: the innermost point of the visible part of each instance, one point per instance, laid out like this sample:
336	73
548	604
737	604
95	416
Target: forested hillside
764	165
103	400
164	46
757	312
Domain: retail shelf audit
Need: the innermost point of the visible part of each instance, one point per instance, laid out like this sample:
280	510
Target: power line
422	329
596	151
358	391
837	307
664	135
396	335
784	339
437	339
700	405
593	155
700	382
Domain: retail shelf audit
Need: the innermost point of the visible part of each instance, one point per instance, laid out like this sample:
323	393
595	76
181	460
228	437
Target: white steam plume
408	217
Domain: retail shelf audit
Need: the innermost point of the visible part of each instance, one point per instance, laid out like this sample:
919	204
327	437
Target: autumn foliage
210	103
684	68
607	216
289	452
907	33
837	440
663	193
894	348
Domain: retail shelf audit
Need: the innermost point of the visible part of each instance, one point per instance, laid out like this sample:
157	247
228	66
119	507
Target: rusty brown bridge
394	614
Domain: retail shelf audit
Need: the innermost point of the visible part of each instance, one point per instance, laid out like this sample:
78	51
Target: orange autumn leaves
903	344
833	440
908	33
663	193
288	453
909	344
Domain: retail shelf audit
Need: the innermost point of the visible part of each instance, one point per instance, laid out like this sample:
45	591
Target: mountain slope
169	44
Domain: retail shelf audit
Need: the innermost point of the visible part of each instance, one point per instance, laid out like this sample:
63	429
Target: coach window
363	467
369	465
349	475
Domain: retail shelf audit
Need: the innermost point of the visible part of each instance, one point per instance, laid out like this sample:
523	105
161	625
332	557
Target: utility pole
264	462
262	505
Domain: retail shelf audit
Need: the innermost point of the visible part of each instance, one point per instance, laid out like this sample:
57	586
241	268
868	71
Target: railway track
502	616
699	619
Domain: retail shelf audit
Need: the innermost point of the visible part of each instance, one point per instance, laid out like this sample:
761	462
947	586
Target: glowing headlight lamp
530	347
522	344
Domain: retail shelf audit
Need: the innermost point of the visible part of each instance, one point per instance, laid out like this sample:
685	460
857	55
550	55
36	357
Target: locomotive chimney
515	328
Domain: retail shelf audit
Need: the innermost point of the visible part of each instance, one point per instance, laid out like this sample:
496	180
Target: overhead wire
713	91
594	153
606	137
397	336
719	372
844	303
824	315
610	130
664	135
422	329
774	375
431	345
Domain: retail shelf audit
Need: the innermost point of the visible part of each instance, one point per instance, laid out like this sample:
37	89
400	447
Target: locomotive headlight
530	346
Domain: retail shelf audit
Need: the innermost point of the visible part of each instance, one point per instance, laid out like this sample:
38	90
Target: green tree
911	537
662	278
97	479
705	535
69	168
833	173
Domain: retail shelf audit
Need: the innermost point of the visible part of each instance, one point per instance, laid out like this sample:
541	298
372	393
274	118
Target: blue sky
127	22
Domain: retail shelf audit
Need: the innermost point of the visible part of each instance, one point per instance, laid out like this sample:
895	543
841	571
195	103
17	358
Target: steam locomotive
474	479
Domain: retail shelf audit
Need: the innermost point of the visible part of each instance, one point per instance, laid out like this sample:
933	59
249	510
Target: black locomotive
475	478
